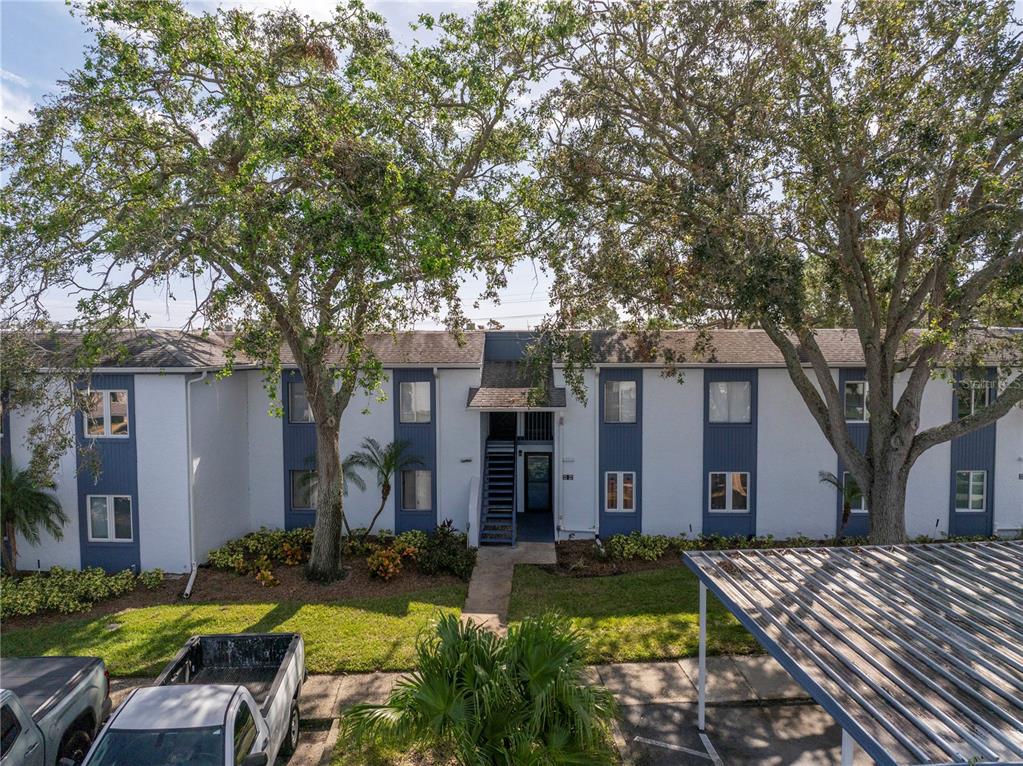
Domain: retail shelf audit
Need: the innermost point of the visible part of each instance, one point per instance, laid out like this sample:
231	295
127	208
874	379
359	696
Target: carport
916	651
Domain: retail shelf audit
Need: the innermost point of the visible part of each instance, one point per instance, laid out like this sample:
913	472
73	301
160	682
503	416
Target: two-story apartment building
722	443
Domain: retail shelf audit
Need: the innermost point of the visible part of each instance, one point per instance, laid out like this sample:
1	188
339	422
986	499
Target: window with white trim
971	395
109	518
620	401
857	502
971	491
729	491
728	401
299	410
620	491
107	414
304	491
416	490
856	401
414	399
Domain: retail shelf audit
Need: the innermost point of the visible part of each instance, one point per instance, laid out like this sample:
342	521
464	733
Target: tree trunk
888	503
10	549
383	503
325	559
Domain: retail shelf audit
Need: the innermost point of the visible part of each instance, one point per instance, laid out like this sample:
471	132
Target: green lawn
359	635
633	617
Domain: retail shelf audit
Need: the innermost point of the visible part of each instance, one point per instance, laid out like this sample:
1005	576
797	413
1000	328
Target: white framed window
416	494
620	491
304	491
971	395
971	491
109	518
299	410
857	502
856	401
107	414
729	491
620	401
728	401
415	401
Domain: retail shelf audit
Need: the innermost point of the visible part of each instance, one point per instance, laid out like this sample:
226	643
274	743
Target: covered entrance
536	521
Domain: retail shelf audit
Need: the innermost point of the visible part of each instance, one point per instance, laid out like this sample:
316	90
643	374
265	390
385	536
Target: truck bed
42	682
255	661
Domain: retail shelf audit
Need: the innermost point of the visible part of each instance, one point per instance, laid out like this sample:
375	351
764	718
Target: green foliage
521	699
413	538
61	590
446	551
637	546
151	579
383	462
384	563
257	552
28	508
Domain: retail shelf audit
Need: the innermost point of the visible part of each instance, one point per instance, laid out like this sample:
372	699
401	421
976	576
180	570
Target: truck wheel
291	738
75	745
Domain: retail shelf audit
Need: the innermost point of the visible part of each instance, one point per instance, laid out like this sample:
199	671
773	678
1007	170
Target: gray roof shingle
506	385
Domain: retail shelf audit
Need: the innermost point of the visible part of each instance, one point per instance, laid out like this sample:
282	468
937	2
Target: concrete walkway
491	583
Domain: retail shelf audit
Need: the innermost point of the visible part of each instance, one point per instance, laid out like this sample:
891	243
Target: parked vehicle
222	701
51	709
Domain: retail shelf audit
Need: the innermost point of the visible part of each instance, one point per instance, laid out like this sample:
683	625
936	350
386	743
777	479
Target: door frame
550	481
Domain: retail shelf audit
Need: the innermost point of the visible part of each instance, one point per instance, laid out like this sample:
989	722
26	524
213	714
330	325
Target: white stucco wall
458	444
671	485
50	552
162	454
578	457
220	461
266	456
791	453
1009	473
927	497
368	414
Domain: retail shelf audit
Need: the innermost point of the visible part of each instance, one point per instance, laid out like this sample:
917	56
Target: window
856	400
971	491
415	402
857	502
620	401
109	518
729	491
620	491
304	490
415	491
244	733
971	396
107	414
10	728
299	410
729	402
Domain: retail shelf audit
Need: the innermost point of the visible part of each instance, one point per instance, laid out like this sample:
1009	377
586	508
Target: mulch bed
581	558
212	585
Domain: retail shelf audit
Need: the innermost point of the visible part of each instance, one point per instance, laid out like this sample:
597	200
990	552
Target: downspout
437	430
191	483
596	452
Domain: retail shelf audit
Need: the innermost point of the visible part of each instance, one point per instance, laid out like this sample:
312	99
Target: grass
359	635
633	617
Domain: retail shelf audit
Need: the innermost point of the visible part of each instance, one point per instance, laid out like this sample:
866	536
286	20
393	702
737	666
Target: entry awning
506	385
915	650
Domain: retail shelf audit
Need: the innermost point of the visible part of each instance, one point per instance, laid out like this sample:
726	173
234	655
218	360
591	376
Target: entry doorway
536	522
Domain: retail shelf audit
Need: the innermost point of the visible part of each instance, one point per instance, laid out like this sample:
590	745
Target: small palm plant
26	508
491	700
385	462
850	492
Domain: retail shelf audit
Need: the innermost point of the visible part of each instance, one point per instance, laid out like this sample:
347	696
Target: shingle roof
506	385
419	347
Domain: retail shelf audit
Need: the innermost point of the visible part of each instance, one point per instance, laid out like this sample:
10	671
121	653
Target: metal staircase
497	526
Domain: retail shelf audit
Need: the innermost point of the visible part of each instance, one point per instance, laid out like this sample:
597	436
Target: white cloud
17	79
14	106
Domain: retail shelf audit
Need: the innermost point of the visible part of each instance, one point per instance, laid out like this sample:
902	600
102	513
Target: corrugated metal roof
916	650
505	385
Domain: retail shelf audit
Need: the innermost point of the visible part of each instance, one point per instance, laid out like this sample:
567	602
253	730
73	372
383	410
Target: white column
701	682
848	748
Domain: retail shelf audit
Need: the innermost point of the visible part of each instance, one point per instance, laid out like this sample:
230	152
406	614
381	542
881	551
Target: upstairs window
971	395
304	491
729	401
856	401
107	414
620	491
620	401
299	410
414	402
416	492
857	502
109	518
729	492
971	491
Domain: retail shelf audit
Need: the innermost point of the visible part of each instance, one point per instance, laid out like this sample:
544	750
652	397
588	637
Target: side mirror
252	759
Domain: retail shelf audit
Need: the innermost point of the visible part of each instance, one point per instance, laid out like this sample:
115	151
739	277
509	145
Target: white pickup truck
227	700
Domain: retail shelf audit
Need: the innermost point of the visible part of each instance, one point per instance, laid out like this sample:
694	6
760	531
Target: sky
41	41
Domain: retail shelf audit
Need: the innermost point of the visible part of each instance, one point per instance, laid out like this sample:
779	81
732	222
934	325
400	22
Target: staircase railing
515	492
475	511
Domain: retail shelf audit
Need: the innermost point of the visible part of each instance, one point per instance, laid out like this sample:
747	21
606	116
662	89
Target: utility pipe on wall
191	482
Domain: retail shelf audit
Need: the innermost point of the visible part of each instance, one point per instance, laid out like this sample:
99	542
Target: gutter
437	483
191	483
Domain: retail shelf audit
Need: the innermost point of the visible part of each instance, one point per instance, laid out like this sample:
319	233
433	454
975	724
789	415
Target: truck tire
75	745
291	738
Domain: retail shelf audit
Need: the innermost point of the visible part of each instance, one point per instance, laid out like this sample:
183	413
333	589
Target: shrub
637	546
267	546
384	563
446	551
414	538
151	579
62	590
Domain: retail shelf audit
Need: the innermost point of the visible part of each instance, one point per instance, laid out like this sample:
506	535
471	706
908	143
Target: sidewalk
490	586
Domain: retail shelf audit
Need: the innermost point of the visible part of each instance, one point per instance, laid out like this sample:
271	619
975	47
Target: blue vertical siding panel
299	454
423	438
859	523
118	475
730	447
974	451
506	346
621	449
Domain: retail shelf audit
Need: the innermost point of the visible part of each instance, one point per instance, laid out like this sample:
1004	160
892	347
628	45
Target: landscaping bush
151	579
446	551
384	563
61	590
267	547
637	546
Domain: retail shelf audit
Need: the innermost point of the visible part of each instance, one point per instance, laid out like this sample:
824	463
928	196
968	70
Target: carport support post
848	748
701	681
